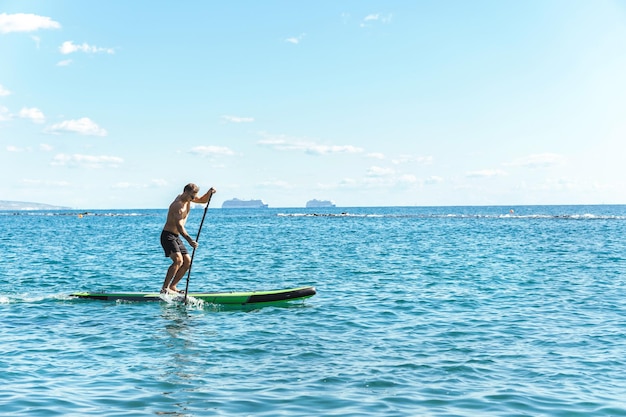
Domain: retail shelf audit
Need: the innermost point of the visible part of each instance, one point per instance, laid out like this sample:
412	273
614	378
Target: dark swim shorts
171	243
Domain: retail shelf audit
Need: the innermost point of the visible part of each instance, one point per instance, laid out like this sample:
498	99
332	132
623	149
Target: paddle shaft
194	249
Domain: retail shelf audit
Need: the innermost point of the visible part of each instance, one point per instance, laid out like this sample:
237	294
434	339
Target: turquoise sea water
420	311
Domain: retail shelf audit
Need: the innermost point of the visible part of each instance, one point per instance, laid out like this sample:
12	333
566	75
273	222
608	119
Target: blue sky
118	104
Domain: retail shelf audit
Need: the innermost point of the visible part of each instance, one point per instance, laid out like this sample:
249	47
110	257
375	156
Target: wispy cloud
25	22
237	119
376	18
157	183
388	177
69	47
87	161
64	63
378	177
485	173
211	150
276	184
15	149
543	160
376	171
405	159
82	126
295	39
286	144
3	91
433	179
33	114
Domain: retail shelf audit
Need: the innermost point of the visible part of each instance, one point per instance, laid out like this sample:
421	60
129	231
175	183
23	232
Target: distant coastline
25	206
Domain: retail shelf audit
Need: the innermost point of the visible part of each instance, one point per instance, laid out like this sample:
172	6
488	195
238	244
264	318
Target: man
173	229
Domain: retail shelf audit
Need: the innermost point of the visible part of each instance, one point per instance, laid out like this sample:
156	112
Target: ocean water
420	311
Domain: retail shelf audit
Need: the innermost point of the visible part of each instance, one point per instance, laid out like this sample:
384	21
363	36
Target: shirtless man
173	229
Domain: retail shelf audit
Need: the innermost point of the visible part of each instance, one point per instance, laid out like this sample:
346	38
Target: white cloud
69	47
376	171
295	39
405	159
282	144
485	173
3	91
433	179
13	148
126	185
543	160
82	126
158	183
33	114
330	149
407	179
276	184
376	17
64	63
376	155
212	151
87	161
45	147
237	119
25	22
137	186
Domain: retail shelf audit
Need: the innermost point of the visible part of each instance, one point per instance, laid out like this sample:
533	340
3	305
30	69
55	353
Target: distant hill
21	205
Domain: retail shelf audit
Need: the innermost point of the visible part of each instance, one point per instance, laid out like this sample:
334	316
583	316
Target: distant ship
237	203
319	203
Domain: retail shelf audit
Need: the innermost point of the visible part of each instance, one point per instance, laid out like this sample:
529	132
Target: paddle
194	249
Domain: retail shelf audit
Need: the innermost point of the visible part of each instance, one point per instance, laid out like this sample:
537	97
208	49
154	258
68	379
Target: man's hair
191	187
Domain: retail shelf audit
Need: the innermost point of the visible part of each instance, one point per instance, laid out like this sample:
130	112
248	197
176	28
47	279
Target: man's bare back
177	215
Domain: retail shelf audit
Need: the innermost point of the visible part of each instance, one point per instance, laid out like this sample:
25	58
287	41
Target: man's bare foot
171	291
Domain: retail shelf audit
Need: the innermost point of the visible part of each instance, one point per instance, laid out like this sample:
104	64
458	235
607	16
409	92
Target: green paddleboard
249	298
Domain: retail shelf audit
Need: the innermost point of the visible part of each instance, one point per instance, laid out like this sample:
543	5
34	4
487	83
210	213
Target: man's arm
184	234
180	217
205	198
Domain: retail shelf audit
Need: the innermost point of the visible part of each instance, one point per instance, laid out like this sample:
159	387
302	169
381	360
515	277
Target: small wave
180	299
32	298
74	214
586	216
345	214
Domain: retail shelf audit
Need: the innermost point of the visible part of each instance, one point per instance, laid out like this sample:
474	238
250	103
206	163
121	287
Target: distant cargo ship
237	203
319	203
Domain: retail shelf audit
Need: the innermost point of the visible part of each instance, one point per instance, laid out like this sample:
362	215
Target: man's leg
182	270
177	263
